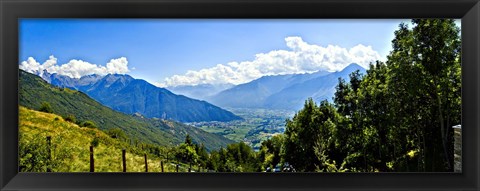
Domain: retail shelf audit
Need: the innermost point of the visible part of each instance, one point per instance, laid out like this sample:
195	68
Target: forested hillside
34	92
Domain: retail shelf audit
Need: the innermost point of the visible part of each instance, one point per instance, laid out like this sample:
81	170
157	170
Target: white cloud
301	58
75	68
118	66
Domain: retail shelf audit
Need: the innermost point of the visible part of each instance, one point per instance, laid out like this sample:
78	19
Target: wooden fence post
161	164
92	162
146	164
124	162
49	153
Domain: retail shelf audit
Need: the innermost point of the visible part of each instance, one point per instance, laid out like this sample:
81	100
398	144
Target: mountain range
135	96
128	95
34	91
283	91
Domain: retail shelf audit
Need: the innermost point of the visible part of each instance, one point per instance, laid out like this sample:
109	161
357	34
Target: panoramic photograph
239	95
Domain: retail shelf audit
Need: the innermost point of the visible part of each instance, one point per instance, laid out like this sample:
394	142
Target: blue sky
157	49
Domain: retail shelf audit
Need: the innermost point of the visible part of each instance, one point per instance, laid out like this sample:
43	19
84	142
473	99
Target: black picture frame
467	10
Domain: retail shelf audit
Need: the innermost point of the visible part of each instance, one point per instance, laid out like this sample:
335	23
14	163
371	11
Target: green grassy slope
70	146
33	91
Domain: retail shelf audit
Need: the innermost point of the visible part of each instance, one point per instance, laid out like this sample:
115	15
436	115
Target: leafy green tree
300	137
202	155
425	68
311	128
222	167
341	98
240	157
350	133
213	162
188	140
438	51
376	112
324	145
270	153
186	153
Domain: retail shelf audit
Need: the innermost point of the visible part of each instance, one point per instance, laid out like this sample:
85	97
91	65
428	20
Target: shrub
70	118
95	142
117	133
89	124
46	107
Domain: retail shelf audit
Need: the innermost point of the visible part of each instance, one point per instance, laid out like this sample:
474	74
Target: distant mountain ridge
283	91
123	93
129	95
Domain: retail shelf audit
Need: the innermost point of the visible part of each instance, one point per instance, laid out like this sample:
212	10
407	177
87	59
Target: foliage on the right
395	118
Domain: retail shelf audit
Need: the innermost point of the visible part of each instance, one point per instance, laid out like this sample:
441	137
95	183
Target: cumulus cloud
300	58
75	68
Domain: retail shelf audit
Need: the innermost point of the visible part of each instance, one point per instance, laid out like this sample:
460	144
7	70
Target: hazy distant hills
283	91
33	91
201	91
126	94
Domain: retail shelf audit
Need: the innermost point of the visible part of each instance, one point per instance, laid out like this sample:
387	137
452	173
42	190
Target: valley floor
258	125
